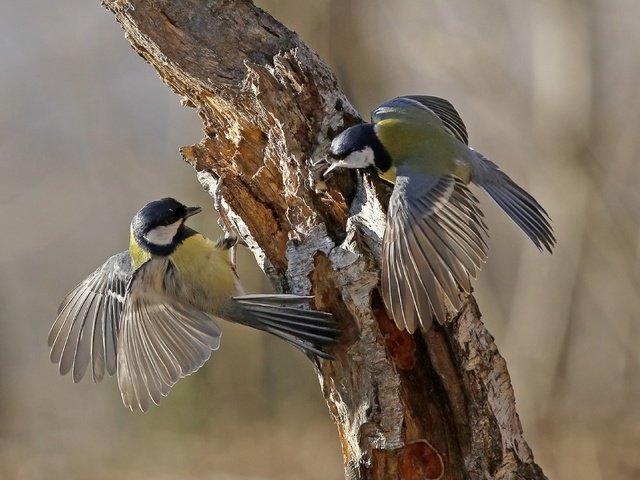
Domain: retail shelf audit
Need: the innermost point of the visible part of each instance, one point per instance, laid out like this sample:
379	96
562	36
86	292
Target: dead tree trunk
435	405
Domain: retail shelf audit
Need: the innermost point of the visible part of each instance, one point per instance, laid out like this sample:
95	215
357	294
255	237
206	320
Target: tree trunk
423	406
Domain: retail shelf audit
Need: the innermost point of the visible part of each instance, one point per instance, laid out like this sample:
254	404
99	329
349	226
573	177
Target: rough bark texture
435	405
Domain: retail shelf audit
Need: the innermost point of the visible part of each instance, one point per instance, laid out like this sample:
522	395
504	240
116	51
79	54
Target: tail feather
276	299
308	330
521	207
307	336
291	316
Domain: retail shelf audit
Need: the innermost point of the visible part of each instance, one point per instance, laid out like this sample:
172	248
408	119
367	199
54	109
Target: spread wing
161	339
85	331
439	106
523	209
433	241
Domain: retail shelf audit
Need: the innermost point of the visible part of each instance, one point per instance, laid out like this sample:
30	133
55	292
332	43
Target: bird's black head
359	147
159	226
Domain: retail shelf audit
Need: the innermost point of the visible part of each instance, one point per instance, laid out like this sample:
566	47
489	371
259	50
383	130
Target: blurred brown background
549	89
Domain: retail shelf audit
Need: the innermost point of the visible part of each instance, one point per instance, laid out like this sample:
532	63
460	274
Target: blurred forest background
549	89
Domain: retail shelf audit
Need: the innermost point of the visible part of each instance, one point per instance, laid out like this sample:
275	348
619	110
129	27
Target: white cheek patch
361	159
163	235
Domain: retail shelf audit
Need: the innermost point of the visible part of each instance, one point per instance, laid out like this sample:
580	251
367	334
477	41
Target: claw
317	170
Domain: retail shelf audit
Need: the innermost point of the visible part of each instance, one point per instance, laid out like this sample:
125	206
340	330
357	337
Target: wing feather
447	113
84	330
438	106
433	243
161	339
521	207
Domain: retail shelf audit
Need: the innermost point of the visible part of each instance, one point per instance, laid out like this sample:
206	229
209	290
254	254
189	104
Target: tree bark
424	406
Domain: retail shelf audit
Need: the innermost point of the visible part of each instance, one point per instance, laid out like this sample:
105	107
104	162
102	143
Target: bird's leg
230	240
231	243
218	200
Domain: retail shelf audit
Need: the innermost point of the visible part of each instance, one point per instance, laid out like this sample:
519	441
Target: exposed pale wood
435	405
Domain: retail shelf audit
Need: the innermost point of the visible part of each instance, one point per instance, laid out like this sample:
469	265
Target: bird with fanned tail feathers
148	314
434	236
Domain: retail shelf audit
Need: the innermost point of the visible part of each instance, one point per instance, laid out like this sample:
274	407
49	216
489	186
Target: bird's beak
332	167
191	211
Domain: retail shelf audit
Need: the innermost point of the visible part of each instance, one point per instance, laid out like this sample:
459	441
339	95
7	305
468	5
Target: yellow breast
204	274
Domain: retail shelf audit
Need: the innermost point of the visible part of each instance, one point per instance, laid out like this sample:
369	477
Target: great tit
434	231
149	313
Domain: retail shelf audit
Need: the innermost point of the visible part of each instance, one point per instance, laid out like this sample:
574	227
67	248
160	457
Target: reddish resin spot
420	461
399	344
